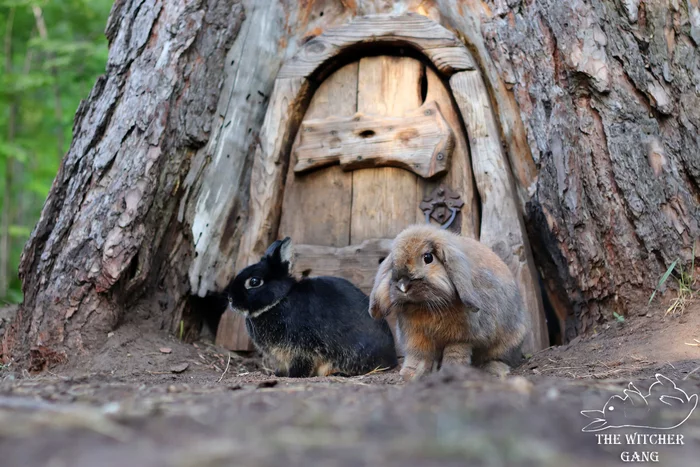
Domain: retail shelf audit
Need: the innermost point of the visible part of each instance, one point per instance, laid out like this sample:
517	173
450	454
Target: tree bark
597	108
109	230
608	93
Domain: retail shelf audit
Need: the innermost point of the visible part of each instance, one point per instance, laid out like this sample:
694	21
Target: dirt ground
148	399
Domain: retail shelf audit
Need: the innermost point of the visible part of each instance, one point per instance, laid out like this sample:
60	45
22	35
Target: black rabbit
313	326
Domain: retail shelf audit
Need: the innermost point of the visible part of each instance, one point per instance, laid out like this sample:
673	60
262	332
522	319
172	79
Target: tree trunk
109	238
609	94
597	108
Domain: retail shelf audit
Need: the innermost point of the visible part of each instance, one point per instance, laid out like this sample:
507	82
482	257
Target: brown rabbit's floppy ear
459	271
379	297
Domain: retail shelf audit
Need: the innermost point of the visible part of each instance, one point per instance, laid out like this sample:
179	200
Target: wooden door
372	113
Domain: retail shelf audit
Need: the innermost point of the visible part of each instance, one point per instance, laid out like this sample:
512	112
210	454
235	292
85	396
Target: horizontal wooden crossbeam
420	141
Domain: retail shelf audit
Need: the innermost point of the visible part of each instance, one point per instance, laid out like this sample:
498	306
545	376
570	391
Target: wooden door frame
503	228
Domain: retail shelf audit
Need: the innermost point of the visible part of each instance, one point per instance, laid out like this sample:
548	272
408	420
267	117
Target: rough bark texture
609	92
598	108
108	230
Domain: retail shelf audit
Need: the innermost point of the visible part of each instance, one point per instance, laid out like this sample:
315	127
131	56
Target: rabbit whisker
252	330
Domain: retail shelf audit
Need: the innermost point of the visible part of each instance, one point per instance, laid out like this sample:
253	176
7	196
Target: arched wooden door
368	144
374	112
337	206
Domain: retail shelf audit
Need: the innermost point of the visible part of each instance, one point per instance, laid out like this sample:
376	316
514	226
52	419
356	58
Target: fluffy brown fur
454	299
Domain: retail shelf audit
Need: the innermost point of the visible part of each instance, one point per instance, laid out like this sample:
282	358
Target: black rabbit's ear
281	251
270	252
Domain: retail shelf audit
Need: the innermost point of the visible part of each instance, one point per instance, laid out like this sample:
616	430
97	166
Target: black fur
309	322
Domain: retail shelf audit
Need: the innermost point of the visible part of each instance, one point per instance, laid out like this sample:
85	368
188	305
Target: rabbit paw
409	374
414	368
496	368
457	354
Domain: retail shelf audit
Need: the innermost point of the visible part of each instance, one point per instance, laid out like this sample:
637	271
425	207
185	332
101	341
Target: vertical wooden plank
276	138
384	200
459	177
316	206
502	226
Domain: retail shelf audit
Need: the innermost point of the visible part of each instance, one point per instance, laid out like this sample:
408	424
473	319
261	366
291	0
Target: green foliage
663	279
44	73
685	281
618	317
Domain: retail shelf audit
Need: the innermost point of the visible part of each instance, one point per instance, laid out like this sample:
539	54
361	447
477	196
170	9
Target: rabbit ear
459	270
379	297
281	251
596	425
286	252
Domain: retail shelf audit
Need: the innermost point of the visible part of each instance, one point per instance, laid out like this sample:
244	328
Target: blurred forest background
52	51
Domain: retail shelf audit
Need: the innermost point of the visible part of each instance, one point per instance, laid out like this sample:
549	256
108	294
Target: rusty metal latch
441	203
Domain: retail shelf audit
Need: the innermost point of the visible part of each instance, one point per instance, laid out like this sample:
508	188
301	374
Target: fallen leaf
165	350
179	368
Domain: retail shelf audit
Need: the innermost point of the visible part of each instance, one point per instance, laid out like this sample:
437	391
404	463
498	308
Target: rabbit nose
403	284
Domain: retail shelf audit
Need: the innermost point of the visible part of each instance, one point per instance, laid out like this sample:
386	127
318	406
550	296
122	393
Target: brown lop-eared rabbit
455	300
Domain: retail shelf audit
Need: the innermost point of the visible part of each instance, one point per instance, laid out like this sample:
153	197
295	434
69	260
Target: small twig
688	375
376	370
227	365
696	344
64	378
560	368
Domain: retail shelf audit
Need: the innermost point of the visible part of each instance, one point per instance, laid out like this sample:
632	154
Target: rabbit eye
428	258
253	283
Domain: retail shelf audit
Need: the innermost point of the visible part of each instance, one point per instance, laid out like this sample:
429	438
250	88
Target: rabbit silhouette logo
623	411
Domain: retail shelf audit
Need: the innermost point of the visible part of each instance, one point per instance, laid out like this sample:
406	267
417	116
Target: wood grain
384	200
421	141
216	187
437	43
502	227
316	206
283	115
276	136
459	176
356	263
